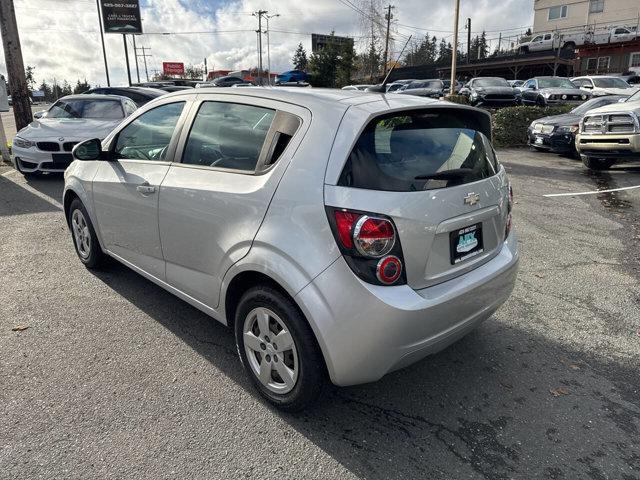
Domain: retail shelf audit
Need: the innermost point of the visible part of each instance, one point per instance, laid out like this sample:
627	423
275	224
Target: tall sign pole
135	53
388	16
259	14
454	53
126	57
15	66
104	51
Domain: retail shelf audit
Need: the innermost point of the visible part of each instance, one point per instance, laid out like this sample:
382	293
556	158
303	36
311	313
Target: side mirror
39	114
88	150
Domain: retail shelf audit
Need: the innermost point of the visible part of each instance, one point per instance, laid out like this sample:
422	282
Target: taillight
370	245
509	222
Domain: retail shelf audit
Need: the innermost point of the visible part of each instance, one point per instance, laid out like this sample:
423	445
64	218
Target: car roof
147	90
315	98
93	96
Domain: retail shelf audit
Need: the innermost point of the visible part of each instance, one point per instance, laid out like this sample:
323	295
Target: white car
599	85
45	144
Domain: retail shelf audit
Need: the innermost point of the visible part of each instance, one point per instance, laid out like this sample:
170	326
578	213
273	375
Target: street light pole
259	14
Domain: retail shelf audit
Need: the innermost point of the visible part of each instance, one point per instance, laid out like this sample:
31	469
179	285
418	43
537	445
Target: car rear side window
419	150
228	135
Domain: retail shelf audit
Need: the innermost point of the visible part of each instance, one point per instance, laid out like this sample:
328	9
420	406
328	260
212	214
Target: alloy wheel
270	350
81	233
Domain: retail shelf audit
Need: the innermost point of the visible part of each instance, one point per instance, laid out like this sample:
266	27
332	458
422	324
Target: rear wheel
540	101
594	163
278	349
84	236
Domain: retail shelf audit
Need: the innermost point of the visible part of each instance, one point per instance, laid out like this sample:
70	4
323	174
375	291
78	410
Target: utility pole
15	66
388	17
468	27
454	53
144	57
135	52
269	47
499	42
206	73
259	14
126	56
104	51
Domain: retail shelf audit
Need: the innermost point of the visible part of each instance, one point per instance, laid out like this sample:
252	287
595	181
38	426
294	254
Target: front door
125	190
213	202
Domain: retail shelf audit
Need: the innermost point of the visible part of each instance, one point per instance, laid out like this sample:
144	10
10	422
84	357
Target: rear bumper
366	331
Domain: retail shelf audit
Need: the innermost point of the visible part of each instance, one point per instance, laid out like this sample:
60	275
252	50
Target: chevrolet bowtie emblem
471	198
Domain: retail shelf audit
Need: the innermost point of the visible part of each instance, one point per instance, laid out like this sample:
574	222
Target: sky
61	39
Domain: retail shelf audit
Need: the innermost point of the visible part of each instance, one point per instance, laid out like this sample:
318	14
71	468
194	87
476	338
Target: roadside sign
37	94
4	100
173	68
121	16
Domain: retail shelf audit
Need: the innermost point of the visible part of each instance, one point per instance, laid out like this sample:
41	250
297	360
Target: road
115	378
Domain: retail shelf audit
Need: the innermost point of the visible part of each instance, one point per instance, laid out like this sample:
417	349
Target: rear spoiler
481	117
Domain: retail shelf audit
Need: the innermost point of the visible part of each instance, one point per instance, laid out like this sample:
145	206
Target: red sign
173	68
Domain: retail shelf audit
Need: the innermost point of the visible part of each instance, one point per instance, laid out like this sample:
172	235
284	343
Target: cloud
60	37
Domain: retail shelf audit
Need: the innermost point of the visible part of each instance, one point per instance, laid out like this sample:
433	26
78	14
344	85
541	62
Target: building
608	59
572	14
320	41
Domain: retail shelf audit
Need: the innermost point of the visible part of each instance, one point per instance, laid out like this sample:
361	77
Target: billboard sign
173	68
121	16
37	94
320	41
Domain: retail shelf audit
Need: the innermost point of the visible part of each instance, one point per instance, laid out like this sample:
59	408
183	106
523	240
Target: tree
424	54
31	82
81	87
346	65
445	51
66	89
333	65
48	92
299	60
193	72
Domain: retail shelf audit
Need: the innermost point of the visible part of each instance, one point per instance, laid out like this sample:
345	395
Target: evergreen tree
346	65
299	60
31	82
81	87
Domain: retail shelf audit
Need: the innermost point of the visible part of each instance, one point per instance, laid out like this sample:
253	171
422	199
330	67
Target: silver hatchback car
342	235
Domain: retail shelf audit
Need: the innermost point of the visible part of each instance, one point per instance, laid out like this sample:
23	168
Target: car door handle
146	189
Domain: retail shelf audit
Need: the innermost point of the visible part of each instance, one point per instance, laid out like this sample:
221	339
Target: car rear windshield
102	109
419	150
610	82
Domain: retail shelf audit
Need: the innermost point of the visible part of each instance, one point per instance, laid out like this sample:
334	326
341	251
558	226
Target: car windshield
610	82
490	82
102	109
594	103
425	84
417	150
555	83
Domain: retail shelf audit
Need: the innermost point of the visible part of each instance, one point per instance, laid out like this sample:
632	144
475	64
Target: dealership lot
116	378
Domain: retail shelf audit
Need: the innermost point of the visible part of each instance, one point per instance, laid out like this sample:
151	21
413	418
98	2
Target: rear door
213	201
434	173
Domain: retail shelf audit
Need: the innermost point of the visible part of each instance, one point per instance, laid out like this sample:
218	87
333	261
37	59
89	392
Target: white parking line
10	172
593	192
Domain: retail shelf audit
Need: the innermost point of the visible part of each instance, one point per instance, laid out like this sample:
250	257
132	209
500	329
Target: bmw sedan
45	144
341	235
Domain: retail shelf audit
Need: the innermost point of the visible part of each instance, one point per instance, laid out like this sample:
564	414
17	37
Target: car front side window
148	136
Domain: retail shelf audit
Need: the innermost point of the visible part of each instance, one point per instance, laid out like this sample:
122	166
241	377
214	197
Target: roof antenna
382	88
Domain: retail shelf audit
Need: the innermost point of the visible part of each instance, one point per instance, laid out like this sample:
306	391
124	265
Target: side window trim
171	150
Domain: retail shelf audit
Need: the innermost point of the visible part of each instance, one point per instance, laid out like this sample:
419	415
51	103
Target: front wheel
593	163
84	236
278	349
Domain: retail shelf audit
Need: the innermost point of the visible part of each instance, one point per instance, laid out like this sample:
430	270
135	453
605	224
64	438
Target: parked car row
602	131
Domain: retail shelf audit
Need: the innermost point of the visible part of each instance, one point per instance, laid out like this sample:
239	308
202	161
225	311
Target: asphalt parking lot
115	378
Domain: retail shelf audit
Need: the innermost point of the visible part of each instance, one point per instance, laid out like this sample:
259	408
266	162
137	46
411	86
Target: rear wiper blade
446	175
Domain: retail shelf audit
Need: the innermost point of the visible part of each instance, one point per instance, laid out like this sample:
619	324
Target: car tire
540	102
264	307
593	163
84	236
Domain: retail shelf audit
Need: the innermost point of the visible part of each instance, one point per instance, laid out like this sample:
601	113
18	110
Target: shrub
457	99
510	124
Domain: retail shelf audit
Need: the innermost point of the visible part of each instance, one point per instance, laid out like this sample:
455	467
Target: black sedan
490	92
557	133
139	95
